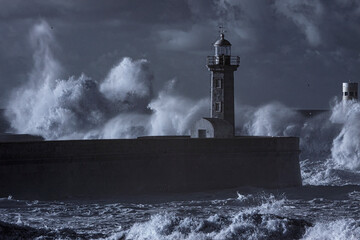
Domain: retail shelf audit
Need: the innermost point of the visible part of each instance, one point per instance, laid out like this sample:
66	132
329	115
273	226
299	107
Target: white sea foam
241	197
318	173
257	222
271	204
18	221
241	226
174	114
333	156
273	119
344	229
128	81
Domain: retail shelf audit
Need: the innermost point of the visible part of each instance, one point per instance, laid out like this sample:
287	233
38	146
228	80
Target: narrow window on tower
218	106
218	83
346	93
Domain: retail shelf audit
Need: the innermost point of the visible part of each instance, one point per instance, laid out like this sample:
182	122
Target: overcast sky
293	51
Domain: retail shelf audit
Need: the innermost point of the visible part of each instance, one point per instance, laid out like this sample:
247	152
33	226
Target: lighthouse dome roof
222	41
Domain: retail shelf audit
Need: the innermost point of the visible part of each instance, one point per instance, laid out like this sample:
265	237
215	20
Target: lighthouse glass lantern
222	47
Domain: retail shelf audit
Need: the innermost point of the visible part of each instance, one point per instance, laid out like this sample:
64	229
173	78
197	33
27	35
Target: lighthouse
222	66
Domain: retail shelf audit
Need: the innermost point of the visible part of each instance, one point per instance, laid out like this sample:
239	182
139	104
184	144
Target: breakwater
110	168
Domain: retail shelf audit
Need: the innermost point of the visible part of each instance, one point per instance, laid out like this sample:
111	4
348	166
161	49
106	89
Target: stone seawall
110	168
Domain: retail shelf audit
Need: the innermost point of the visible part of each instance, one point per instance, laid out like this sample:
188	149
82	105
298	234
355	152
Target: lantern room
222	46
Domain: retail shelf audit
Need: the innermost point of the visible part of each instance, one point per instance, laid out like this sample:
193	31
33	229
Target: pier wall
110	168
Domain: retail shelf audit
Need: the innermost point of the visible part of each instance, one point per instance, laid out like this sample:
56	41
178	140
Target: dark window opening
202	133
218	106
218	83
345	93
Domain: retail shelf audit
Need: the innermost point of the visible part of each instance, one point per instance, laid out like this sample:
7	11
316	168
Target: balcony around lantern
223	60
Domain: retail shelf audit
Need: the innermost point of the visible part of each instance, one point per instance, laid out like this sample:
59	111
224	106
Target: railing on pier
223	60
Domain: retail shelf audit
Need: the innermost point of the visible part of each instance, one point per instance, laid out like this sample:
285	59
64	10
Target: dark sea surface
310	212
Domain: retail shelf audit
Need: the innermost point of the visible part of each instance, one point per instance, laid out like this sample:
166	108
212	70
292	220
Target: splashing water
272	119
339	229
346	146
120	106
170	116
330	141
258	219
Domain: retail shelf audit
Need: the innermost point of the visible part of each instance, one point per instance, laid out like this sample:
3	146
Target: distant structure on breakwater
350	91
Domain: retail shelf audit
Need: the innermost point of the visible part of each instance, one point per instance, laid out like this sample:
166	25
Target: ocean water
311	212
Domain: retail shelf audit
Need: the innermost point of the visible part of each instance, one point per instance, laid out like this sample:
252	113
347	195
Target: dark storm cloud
298	52
294	51
69	10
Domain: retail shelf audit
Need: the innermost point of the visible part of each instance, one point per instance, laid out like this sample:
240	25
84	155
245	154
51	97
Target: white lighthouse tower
222	66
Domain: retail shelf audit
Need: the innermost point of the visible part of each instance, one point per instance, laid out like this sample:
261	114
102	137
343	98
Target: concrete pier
110	168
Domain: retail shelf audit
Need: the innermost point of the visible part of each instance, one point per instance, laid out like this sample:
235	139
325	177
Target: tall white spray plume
120	106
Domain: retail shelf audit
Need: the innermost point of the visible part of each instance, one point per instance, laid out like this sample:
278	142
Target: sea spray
173	114
239	226
129	82
329	141
332	154
273	119
46	67
259	219
345	151
344	229
120	106
123	125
